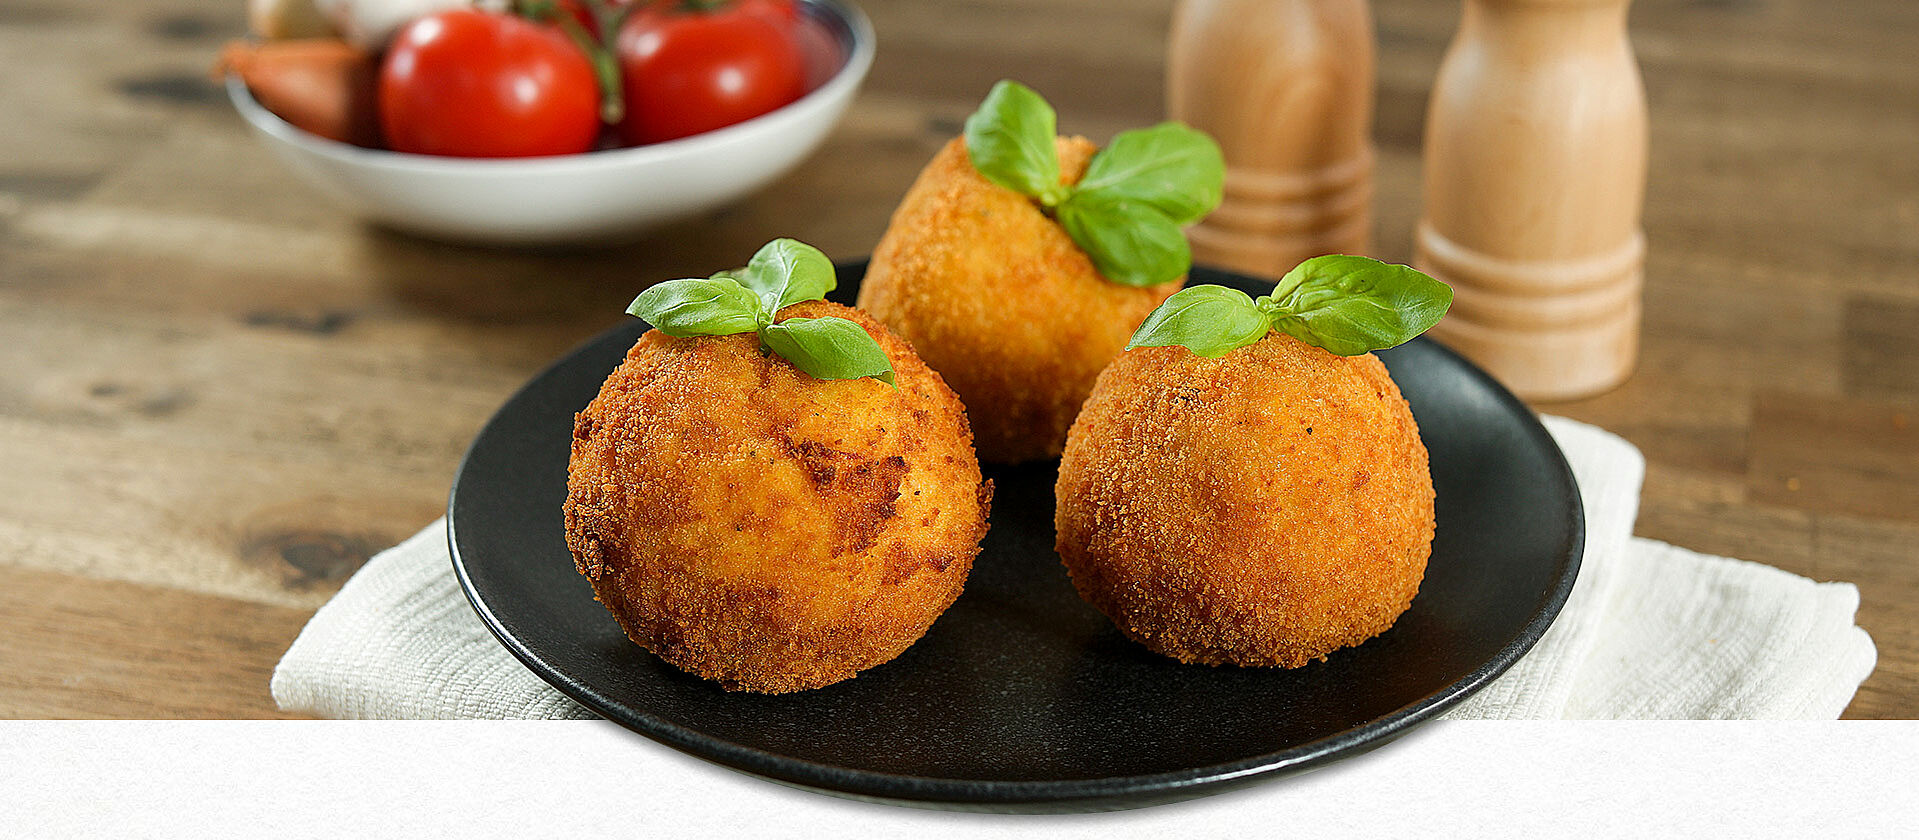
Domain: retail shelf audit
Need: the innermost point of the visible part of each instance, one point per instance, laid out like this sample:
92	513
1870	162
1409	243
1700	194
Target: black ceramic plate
1023	697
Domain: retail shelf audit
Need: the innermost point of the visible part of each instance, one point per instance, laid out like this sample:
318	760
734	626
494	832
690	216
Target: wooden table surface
219	395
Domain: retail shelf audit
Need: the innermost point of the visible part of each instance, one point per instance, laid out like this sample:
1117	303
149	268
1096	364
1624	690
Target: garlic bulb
370	24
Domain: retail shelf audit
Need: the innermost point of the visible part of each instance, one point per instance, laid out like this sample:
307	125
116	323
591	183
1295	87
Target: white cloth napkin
1650	631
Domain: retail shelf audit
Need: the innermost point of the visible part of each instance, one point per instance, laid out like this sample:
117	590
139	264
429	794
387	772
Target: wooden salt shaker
1286	88
1535	170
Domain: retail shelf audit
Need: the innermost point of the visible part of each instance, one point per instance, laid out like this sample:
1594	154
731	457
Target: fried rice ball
1264	508
997	298
764	529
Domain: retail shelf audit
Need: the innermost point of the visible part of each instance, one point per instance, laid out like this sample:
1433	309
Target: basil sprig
828	348
784	272
1347	305
1127	210
1010	139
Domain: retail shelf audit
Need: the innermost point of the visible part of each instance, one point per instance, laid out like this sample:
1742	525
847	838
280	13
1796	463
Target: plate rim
1049	794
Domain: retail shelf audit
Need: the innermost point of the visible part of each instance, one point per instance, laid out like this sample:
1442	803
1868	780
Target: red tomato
474	84
690	71
780	10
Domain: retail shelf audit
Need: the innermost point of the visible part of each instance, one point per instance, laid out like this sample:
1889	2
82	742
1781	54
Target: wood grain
80	647
219	395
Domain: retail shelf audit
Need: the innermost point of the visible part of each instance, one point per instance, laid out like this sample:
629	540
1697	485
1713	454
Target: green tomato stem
605	67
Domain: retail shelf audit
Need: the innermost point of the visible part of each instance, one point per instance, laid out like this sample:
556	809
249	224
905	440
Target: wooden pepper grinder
1286	88
1535	171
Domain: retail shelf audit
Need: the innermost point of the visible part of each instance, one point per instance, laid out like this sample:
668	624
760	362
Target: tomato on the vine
587	13
476	84
581	14
691	66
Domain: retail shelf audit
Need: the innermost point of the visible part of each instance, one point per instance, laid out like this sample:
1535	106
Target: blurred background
219	393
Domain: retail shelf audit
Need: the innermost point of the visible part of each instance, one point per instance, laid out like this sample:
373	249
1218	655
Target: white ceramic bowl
593	196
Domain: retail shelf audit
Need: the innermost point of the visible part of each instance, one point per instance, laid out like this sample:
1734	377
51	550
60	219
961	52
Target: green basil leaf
1353	305
1208	320
1010	139
829	348
1169	167
784	272
1129	242
697	306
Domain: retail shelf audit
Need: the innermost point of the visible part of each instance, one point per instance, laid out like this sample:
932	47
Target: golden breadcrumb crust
1264	508
996	297
771	531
